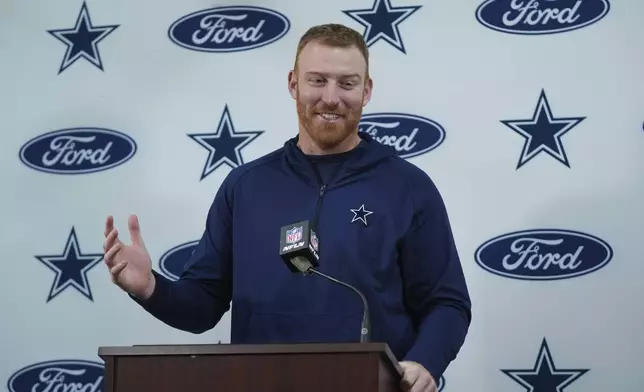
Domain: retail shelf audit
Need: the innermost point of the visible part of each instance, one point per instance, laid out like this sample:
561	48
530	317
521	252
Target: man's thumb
135	230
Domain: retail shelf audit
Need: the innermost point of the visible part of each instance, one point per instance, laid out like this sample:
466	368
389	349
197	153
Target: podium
309	367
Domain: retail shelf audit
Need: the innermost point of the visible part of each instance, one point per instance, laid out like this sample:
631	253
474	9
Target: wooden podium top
232	349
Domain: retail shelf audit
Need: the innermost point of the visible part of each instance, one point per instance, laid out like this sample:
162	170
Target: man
381	224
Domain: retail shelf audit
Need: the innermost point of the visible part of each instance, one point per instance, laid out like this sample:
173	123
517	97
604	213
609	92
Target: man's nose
330	94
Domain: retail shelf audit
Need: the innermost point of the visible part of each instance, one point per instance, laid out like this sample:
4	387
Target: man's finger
409	378
135	230
110	240
116	270
109	225
111	254
421	385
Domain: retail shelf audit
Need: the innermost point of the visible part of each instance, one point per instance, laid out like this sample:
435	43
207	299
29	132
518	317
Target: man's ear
292	83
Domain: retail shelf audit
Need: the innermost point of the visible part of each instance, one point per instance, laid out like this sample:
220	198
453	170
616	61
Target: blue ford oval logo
77	150
543	254
229	29
410	135
174	260
531	17
58	375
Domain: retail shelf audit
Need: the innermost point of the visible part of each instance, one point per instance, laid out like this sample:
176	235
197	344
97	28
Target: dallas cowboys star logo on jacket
360	214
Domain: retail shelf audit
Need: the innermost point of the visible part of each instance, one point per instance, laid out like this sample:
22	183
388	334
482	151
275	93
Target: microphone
300	250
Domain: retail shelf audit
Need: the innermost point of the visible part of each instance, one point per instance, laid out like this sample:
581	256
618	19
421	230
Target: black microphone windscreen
297	240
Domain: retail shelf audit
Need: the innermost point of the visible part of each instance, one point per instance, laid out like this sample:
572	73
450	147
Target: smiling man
381	223
330	84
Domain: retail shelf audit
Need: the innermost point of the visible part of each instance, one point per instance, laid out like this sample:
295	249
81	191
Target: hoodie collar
366	155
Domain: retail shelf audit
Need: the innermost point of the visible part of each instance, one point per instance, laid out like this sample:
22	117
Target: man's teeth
330	116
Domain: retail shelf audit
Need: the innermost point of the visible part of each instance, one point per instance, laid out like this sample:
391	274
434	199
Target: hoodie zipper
318	208
322	188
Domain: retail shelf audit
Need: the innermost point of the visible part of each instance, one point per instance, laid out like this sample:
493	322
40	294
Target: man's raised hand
130	266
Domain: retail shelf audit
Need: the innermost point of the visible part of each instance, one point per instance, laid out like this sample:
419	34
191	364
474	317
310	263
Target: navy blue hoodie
403	259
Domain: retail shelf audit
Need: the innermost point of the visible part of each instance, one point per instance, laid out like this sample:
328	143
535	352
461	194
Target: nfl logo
294	235
314	241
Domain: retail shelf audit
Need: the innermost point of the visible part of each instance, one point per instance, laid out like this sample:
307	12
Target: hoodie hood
368	154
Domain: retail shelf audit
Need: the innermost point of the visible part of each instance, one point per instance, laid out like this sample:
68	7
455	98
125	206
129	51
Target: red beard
325	134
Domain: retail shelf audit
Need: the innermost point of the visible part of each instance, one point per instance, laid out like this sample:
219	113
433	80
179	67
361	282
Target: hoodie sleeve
436	293
202	294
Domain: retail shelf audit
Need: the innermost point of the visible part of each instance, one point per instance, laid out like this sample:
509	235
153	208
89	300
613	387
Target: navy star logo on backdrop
382	21
543	132
82	40
71	268
544	376
225	145
360	214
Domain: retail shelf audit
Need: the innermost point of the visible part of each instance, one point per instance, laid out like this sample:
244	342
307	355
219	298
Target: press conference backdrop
527	114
